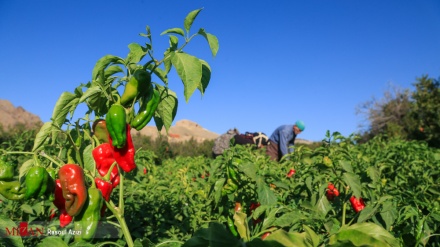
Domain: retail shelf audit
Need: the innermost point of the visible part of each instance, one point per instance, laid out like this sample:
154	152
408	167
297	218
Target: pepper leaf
103	62
212	41
42	135
136	53
66	103
24	168
89	163
167	108
189	69
175	30
190	19
206	76
366	234
354	182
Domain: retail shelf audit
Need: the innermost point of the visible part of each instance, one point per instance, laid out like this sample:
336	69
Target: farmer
282	140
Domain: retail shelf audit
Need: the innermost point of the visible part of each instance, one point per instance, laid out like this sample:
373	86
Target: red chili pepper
74	188
145	171
357	204
332	192
125	156
103	156
237	207
265	235
65	218
252	207
290	173
106	189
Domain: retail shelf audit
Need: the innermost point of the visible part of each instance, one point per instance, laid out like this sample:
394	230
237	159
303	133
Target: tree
426	111
388	115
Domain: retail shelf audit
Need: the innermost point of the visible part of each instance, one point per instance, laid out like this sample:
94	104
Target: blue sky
278	61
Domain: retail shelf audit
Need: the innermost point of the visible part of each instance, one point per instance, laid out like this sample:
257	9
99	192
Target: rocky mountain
183	130
11	116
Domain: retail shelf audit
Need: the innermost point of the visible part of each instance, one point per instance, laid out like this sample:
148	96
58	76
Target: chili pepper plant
92	156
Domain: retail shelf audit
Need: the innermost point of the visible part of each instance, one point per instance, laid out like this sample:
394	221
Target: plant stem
119	213
344	207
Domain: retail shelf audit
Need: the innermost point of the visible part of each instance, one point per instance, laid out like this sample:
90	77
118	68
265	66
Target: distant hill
182	130
11	116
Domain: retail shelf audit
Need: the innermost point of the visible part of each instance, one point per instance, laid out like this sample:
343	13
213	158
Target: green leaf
346	165
159	72
249	169
136	53
206	76
389	214
103	62
323	206
89	162
27	209
265	195
287	219
7	227
311	236
66	103
218	189
190	19
241	224
111	70
52	241
90	92
189	69
42	135
215	235
212	41
374	173
24	168
175	30
363	234
289	238
354	182
167	108
174	41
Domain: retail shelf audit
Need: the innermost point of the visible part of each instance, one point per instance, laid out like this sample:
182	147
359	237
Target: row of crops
188	201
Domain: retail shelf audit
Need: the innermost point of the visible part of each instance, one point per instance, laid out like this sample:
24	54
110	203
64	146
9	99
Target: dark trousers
272	150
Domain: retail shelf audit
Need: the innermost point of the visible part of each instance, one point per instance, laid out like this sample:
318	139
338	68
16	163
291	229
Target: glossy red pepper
357	204
291	173
106	189
125	156
65	218
74	188
60	203
332	192
103	156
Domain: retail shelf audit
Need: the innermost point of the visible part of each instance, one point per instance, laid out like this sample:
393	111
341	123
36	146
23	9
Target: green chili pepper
116	121
38	183
87	221
6	170
11	190
146	112
138	83
232	227
232	173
